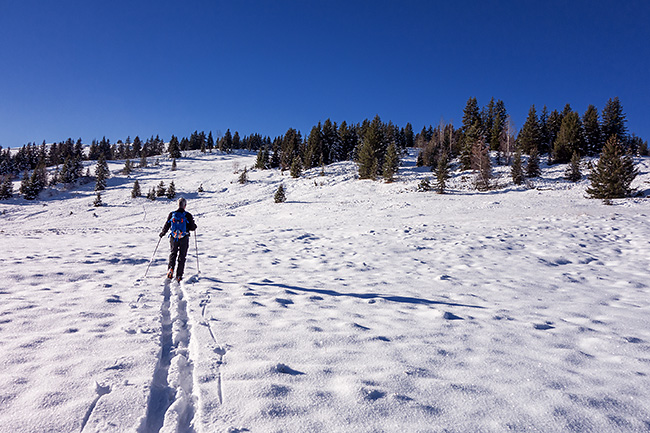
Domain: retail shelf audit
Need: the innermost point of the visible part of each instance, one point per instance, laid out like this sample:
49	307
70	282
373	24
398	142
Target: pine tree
128	167
174	148
280	196
391	163
6	188
570	138
101	173
613	175
243	177
532	168
442	173
613	120
25	185
425	185
135	192
367	162
98	200
296	167
593	135
516	170
573	172
151	195
171	191
174	166
161	190
530	136
143	160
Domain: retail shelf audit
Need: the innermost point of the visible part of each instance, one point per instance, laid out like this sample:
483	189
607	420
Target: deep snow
356	306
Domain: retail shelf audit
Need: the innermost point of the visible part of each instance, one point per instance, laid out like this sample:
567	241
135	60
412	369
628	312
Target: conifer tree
280	196
367	161
471	137
171	191
135	192
151	195
529	136
161	190
516	170
613	175
593	137
25	186
573	172
296	167
391	163
174	148
243	177
482	164
532	168
98	200
613	120
6	188
424	185
442	173
143	160
128	167
570	138
101	173
174	166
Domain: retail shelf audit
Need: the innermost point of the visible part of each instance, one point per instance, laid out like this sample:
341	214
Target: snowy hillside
356	306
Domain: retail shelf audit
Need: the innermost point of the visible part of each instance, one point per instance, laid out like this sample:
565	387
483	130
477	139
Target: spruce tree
101	173
280	196
443	170
128	167
143	160
151	195
98	200
25	185
573	172
424	185
391	163
530	134
613	120
243	177
613	175
6	188
516	170
367	162
174	148
135	192
570	138
174	166
171	191
161	190
296	167
593	135
532	168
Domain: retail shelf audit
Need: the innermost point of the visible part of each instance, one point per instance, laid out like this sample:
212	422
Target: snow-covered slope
356	306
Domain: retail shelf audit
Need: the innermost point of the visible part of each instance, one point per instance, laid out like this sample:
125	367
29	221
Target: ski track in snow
355	306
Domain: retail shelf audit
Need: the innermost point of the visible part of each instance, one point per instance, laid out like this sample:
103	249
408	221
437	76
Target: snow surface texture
356	306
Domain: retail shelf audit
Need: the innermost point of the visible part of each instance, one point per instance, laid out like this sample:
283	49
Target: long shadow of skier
392	298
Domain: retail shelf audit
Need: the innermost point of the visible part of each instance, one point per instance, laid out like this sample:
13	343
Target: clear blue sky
87	69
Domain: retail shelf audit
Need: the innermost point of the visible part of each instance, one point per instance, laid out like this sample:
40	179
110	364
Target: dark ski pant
179	249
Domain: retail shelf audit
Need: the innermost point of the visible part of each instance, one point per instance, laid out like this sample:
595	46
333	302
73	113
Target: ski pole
196	244
152	256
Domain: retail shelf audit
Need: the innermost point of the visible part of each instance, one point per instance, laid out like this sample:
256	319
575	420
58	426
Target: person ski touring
181	224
